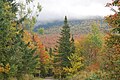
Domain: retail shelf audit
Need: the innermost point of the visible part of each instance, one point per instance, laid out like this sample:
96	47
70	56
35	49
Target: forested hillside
78	28
59	49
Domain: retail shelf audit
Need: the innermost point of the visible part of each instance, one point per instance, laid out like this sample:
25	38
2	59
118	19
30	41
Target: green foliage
89	75
43	70
16	57
65	49
76	64
111	59
7	33
64	44
92	45
114	20
96	36
39	7
24	9
41	31
27	60
99	75
76	61
93	77
72	45
50	52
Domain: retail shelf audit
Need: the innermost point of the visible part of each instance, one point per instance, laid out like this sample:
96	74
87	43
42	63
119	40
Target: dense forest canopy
71	49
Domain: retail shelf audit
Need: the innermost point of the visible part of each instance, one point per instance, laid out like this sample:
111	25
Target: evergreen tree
25	60
7	34
65	49
16	57
76	60
64	44
50	52
76	64
72	45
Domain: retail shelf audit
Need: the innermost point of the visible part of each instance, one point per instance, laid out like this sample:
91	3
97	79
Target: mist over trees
77	50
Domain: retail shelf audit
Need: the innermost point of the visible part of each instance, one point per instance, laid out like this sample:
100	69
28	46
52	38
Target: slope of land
78	28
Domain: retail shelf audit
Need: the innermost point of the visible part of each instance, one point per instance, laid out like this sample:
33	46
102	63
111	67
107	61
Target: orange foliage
93	67
35	42
40	47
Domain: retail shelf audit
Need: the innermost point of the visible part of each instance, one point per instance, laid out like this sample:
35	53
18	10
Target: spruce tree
16	58
50	52
72	45
65	48
64	44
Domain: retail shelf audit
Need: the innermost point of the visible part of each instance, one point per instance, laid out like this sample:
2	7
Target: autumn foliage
112	43
35	42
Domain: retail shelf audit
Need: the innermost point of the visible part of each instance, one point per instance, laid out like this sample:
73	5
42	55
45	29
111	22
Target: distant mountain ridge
78	27
58	23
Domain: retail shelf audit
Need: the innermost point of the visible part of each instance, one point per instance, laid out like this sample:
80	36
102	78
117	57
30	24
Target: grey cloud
57	9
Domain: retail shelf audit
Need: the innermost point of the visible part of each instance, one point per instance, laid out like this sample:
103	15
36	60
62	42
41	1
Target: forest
86	49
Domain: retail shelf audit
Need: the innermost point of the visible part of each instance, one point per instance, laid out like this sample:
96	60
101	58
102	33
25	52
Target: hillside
78	28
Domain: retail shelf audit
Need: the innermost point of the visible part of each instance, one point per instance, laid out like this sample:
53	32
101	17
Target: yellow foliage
1	69
28	38
14	24
7	6
5	69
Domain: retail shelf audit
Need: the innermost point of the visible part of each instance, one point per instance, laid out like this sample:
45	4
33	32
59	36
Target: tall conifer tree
16	58
64	44
65	49
72	45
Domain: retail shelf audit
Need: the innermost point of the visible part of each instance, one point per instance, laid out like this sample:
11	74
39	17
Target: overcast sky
73	9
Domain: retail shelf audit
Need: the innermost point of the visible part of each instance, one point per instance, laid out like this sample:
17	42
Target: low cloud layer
57	9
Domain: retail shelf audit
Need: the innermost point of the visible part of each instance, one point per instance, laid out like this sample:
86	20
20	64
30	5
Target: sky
73	9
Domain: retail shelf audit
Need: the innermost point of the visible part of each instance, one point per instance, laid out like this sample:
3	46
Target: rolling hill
78	28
